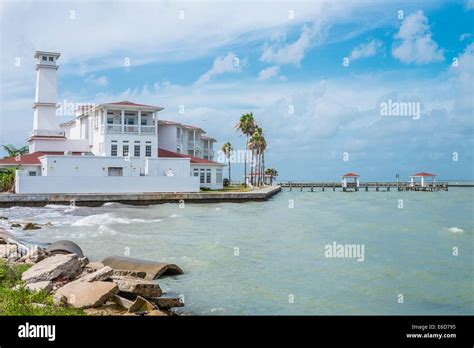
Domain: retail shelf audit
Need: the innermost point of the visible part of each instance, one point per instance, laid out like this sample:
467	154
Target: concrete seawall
95	200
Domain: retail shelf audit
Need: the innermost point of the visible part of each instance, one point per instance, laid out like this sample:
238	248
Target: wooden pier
365	186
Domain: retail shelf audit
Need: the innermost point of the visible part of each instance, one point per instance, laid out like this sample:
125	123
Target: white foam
107	219
455	230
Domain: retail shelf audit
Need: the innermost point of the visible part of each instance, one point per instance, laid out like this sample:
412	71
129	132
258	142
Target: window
45	58
31	173
125	150
130	121
208	176
113	150
115	171
196	172
202	177
148	150
143	122
136	150
218	176
110	120
51	59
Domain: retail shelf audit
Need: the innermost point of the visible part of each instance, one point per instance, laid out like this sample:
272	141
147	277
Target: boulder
85	294
65	247
31	226
35	254
3	218
6	250
166	302
152	269
93	266
64	266
102	274
123	302
45	285
141	305
136	286
15	224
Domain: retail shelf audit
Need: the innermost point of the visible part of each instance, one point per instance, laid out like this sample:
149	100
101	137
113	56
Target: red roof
170	154
423	174
30	159
354	175
127	103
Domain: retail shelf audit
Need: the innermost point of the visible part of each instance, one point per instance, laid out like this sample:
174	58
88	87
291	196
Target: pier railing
364	186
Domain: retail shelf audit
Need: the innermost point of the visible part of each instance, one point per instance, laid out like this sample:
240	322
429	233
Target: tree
227	150
273	174
13	151
246	126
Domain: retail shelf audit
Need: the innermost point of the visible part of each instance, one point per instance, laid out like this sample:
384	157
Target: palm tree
227	150
13	151
273	174
246	126
257	145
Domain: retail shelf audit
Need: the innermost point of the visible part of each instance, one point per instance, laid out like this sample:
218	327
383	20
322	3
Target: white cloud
415	43
366	50
228	64
464	36
269	72
469	4
290	53
101	81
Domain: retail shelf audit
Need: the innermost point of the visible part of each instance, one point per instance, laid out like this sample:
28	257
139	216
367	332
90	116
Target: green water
280	265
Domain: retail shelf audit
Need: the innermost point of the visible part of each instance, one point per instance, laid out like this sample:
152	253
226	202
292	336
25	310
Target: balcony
194	145
114	128
130	129
148	130
209	154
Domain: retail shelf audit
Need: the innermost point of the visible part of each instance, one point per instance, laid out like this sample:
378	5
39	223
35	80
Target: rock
85	294
109	308
153	269
125	273
64	266
31	226
93	266
3	218
167	302
137	286
102	274
157	313
13	257
141	305
6	250
45	285
15	224
84	261
35	254
122	302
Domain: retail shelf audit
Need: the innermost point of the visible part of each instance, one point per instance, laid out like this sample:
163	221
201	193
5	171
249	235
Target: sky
372	87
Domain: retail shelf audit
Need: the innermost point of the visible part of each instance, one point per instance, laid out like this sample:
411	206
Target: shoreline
96	200
115	286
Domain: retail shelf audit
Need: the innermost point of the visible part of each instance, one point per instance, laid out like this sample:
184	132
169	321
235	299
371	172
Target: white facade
119	145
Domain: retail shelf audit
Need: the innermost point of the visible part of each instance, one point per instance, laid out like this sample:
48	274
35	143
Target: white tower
46	130
46	92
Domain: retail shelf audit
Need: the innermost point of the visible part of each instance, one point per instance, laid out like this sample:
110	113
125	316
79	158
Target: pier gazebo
349	176
422	176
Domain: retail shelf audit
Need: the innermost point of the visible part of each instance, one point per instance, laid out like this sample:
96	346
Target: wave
455	230
107	219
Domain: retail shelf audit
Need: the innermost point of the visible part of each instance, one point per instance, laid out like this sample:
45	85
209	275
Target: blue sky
289	54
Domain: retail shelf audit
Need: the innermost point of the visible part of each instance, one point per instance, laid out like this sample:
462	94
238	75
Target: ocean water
269	257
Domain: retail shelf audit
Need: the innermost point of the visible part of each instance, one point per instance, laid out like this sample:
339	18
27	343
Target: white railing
194	145
208	153
114	128
148	129
129	129
47	133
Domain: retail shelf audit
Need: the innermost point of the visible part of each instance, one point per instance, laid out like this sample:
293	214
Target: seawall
95	200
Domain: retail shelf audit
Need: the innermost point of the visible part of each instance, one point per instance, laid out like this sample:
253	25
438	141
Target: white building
111	147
